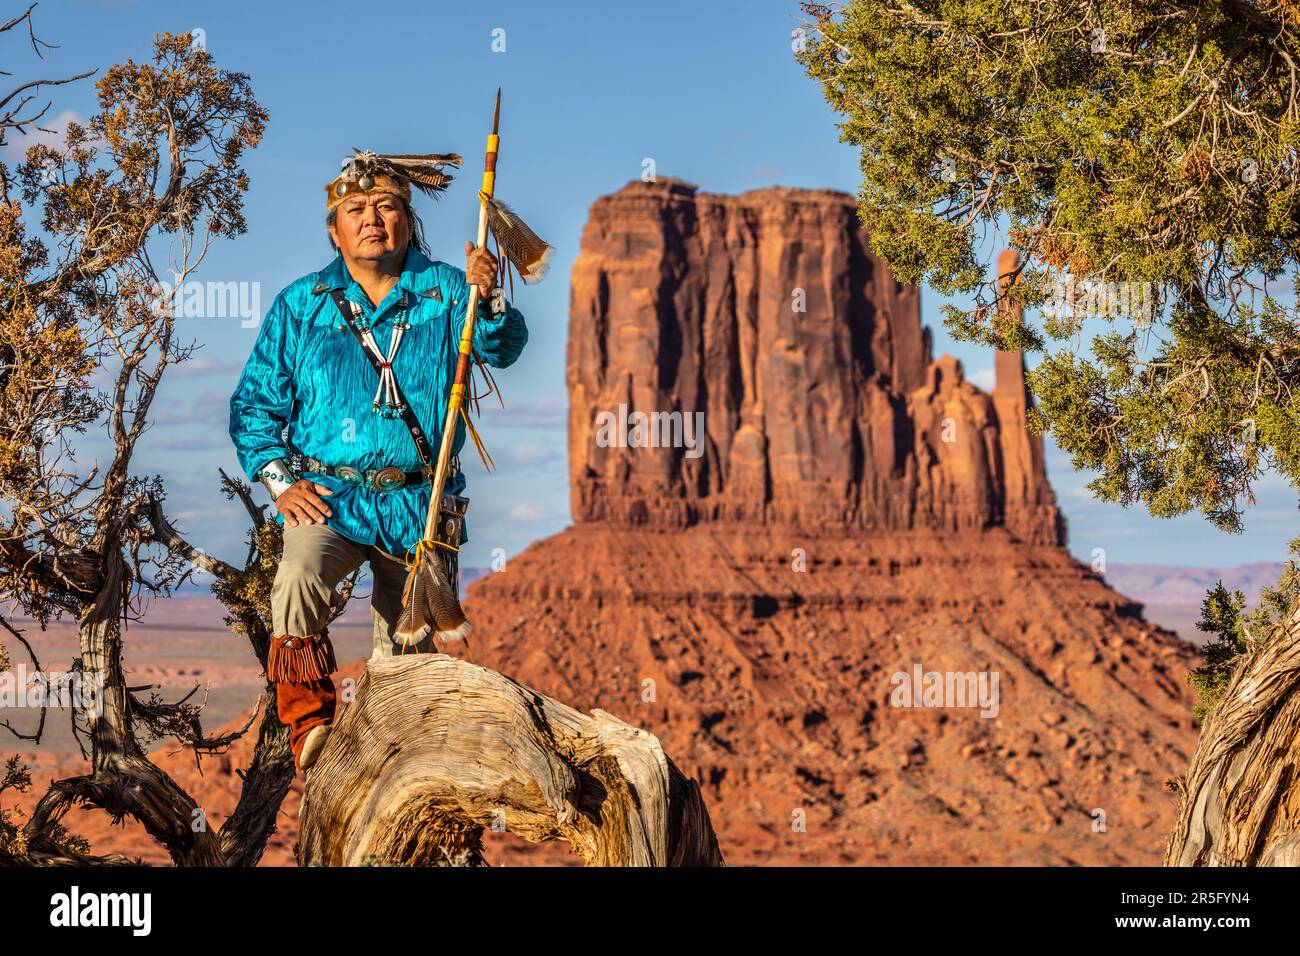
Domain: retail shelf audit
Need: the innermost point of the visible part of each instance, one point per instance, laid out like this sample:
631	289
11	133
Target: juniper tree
1120	145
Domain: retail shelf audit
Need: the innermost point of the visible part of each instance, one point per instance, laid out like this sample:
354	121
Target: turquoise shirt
307	388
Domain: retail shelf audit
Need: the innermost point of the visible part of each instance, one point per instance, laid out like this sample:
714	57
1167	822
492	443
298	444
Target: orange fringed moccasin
300	668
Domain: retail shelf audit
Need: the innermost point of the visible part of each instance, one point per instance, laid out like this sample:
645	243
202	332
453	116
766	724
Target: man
348	481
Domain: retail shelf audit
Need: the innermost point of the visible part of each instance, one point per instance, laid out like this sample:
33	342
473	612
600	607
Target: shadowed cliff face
766	319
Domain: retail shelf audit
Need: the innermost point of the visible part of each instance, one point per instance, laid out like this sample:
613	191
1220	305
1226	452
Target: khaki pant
315	559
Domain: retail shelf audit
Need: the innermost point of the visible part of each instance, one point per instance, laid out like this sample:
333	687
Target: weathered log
1241	797
435	749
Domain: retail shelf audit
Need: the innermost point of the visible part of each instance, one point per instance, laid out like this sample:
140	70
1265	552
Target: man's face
372	227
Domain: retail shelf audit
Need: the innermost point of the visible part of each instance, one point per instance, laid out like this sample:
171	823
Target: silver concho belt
389	478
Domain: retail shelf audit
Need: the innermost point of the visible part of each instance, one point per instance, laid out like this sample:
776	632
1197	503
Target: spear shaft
458	387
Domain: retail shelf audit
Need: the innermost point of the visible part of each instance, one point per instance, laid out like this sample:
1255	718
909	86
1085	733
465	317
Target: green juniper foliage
1235	632
1220	616
1142	157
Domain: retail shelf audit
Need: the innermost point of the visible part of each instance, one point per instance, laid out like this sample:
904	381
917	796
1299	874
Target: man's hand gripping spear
430	602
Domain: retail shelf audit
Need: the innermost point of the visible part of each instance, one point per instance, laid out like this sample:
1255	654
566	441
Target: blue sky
710	91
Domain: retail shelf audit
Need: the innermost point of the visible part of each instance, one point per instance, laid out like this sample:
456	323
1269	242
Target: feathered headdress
366	171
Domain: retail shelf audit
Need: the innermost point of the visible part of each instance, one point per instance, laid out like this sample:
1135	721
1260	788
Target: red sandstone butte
829	416
858	509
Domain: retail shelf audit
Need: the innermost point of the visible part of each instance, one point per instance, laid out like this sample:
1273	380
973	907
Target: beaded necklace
391	407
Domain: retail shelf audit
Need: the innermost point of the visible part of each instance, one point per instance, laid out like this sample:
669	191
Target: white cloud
527	511
210	410
17	145
532	454
543	411
984	378
200	366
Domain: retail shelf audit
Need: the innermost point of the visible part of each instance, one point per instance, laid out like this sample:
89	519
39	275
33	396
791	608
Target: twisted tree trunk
434	749
1241	797
122	779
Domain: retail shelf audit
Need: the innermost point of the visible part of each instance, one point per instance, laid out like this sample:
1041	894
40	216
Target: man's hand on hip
301	503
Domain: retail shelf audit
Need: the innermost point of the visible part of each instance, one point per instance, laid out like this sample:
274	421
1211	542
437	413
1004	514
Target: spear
430	601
